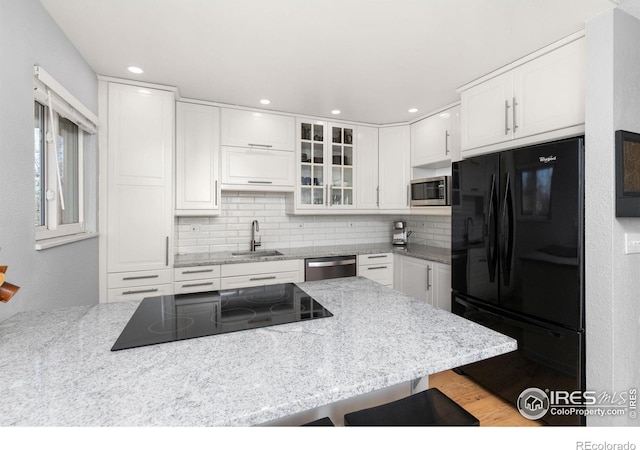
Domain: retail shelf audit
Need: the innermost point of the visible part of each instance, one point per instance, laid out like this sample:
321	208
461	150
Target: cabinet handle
260	145
140	277
216	193
197	284
446	142
376	268
326	194
408	193
506	117
166	251
428	278
272	277
376	256
260	182
186	272
141	291
378	196
515	127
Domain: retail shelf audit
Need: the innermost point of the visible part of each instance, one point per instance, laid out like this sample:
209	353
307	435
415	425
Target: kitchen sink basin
257	254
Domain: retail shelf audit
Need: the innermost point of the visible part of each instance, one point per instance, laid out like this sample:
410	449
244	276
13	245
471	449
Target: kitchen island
56	368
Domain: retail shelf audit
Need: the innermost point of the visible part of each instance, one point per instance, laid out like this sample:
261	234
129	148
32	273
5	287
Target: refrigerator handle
491	240
507	234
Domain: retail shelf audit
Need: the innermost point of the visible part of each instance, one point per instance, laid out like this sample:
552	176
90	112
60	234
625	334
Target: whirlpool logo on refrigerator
546	159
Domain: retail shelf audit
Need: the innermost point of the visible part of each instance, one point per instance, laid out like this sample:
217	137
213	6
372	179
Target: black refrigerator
517	251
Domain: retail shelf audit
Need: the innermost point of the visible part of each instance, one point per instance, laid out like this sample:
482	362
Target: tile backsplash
231	231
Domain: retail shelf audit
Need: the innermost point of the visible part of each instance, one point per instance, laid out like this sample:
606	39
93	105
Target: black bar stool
324	422
427	408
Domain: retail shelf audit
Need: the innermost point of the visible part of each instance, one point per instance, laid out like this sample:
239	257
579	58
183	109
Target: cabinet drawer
195	273
232	270
138	278
377	259
261	279
138	292
202	285
258	169
381	273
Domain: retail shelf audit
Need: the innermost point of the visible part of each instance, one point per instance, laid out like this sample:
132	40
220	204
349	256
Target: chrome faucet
255	226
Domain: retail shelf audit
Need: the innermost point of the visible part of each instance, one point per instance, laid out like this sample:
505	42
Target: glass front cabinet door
326	165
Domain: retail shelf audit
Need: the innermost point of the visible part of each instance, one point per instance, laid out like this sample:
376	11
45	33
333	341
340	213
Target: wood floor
491	410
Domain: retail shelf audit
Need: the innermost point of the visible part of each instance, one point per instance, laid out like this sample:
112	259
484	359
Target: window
58	175
60	125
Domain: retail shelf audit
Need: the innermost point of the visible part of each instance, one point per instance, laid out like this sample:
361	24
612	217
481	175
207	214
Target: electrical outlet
301	225
195	228
350	224
632	243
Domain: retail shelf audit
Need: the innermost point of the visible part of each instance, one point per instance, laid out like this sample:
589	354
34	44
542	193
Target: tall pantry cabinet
136	221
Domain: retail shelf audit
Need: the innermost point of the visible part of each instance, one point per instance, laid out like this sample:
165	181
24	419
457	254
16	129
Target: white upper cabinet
435	138
257	151
197	185
367	168
535	99
325	176
394	168
242	128
257	169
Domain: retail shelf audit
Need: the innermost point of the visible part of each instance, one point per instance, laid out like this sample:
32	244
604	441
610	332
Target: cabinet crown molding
531	56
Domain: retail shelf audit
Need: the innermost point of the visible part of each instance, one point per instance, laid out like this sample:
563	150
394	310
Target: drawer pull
186	272
272	277
260	182
376	256
140	277
376	268
142	291
209	283
261	145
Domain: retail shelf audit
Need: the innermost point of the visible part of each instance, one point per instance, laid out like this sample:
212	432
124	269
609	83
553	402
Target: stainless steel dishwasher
329	267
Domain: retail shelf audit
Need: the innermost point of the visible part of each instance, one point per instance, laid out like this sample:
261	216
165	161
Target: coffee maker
400	233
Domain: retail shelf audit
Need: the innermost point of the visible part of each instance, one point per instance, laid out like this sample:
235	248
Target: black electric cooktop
171	318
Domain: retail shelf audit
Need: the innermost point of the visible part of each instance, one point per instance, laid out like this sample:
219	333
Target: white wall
232	230
62	276
612	278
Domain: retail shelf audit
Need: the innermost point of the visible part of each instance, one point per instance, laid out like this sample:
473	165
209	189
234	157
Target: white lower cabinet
138	284
188	280
425	280
377	267
234	276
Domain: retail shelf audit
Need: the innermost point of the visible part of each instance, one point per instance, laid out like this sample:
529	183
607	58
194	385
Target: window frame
52	96
52	227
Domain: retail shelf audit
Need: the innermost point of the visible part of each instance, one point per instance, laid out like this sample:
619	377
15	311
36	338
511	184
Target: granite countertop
437	254
56	368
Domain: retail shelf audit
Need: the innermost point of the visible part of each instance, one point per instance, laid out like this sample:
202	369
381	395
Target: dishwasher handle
332	263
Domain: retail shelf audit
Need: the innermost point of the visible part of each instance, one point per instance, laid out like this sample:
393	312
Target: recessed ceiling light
335	111
264	101
413	110
134	69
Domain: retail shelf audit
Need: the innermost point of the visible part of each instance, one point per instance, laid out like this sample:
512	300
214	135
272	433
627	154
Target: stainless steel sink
258	253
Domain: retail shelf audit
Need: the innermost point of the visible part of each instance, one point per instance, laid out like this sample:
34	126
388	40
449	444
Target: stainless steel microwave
435	191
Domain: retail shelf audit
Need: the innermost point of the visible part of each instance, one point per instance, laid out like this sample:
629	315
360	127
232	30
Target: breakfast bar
57	367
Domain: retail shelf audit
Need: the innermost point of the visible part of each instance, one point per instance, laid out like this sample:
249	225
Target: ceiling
371	59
